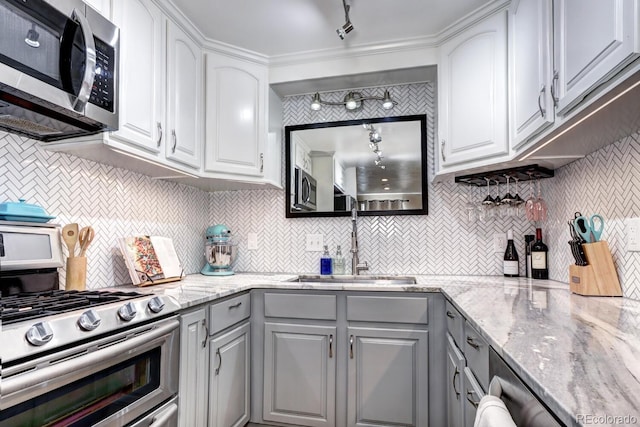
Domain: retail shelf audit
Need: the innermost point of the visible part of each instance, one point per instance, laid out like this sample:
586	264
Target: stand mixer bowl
220	251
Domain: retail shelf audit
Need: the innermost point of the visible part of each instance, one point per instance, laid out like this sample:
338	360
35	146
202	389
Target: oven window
92	399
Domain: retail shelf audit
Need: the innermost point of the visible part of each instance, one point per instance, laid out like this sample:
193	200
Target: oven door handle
164	417
70	370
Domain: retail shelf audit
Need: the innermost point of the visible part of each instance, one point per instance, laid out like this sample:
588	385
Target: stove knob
39	334
127	312
156	304
89	320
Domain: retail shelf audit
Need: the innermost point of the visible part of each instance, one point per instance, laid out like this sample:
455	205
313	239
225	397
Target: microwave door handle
90	61
308	185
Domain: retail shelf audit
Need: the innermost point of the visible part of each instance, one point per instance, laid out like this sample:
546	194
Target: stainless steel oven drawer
229	312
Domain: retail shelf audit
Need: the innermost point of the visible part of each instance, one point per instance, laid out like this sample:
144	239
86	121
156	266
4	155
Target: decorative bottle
326	263
338	262
539	257
528	241
511	265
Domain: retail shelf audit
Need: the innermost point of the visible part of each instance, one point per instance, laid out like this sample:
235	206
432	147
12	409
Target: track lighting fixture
353	101
348	26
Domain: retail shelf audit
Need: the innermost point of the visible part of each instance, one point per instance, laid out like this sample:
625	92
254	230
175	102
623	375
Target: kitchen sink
371	280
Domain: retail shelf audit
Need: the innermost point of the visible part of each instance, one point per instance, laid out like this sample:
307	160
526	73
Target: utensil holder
76	273
599	278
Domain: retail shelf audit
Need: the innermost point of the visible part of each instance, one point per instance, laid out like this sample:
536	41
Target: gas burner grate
21	307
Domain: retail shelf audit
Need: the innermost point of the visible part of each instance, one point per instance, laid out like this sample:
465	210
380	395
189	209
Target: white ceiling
285	27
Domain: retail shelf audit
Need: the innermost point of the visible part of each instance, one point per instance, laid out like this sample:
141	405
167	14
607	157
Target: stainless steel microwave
58	69
304	191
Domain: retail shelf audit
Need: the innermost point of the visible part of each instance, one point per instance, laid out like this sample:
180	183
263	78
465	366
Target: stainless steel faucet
356	266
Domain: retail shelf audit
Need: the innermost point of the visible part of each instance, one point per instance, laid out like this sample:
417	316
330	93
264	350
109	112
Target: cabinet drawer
388	309
300	306
229	312
476	350
455	323
473	392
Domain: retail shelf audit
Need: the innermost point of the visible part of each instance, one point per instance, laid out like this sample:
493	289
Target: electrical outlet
252	241
499	243
633	235
315	242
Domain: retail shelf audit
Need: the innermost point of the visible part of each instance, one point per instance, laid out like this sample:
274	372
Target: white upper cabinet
184	98
142	74
593	39
472	92
531	106
102	6
236	116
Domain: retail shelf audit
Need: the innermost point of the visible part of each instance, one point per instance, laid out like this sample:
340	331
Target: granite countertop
581	355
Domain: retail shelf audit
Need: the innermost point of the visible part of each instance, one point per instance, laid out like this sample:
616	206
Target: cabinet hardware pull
553	88
231	307
472	343
206	330
444	159
450	315
473	402
543	112
351	347
219	361
175	140
261	162
330	346
159	125
455	389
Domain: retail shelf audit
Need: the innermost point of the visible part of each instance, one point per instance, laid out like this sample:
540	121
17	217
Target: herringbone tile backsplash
118	202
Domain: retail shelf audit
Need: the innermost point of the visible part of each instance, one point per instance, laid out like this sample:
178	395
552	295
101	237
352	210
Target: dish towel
492	413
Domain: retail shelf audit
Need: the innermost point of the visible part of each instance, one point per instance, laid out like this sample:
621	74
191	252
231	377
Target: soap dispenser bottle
338	262
326	263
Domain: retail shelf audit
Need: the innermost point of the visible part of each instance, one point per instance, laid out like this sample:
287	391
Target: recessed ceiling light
384	179
387	188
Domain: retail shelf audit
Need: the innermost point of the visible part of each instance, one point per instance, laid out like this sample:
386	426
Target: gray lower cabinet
299	374
192	405
455	398
229	377
387	377
472	395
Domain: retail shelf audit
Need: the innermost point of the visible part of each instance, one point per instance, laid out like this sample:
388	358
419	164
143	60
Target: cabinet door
229	385
193	370
593	39
184	121
102	6
472	395
455	398
387	377
141	74
472	80
299	374
236	125
530	69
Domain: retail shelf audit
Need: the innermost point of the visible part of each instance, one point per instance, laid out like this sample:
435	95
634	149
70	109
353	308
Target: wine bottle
539	257
511	265
528	241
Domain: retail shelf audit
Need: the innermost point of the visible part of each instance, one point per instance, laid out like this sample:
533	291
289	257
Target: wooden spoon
85	238
70	237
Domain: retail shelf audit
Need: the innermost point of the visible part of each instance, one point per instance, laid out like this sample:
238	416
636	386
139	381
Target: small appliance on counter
22	211
220	251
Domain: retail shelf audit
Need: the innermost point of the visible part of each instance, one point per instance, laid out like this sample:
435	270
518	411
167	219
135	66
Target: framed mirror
378	165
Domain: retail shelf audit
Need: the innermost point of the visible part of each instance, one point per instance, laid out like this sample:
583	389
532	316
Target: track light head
344	30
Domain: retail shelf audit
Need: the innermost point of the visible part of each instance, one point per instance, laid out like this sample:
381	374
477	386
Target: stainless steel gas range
80	358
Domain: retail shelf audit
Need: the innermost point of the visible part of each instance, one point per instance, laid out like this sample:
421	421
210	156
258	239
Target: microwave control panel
102	92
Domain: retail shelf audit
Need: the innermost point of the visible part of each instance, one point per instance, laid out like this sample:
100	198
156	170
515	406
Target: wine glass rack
521	173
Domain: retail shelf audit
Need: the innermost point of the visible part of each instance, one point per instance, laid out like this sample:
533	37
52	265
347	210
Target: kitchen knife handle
330	346
351	347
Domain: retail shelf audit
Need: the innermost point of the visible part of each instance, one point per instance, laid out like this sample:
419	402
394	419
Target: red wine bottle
539	257
511	265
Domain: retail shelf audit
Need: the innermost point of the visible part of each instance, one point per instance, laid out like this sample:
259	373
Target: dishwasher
523	406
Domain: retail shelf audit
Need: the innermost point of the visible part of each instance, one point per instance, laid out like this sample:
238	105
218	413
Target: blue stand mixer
220	251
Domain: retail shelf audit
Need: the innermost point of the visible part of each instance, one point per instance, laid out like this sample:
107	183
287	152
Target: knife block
76	274
599	278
